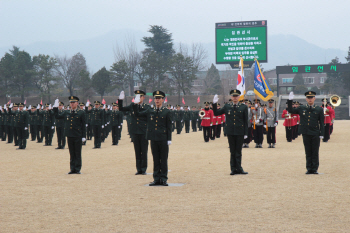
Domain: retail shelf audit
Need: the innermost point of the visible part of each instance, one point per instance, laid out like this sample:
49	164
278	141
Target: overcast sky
324	23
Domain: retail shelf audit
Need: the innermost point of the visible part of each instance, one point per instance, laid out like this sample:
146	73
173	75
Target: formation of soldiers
39	123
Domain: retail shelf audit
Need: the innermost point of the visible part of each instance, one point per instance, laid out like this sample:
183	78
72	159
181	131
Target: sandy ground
37	195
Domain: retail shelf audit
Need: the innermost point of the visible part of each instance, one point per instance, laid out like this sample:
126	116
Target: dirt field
37	195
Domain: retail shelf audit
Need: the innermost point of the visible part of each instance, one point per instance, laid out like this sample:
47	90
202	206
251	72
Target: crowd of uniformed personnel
38	123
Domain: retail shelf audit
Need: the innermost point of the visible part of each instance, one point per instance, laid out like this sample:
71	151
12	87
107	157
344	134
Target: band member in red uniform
294	123
207	121
219	123
213	127
328	114
333	117
287	123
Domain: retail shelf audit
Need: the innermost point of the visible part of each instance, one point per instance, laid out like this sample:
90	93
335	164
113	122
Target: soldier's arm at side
168	125
245	120
83	123
321	122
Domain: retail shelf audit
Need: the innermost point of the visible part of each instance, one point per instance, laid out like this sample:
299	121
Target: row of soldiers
39	123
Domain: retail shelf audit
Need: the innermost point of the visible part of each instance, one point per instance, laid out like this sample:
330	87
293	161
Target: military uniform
207	121
21	125
271	121
328	115
60	125
194	118
138	128
250	128
89	131
258	116
97	122
8	122
48	124
116	121
178	118
312	128
75	131
39	128
32	121
236	129
187	119
3	116
159	132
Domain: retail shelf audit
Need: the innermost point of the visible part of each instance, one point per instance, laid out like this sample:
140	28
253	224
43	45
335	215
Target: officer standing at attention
75	131
61	139
115	124
311	127
236	128
272	122
194	118
187	119
21	125
138	127
97	123
32	121
159	132
47	123
178	118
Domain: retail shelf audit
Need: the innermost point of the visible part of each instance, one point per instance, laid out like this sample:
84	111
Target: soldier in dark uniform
121	119
75	131
187	119
3	123
32	121
138	126
311	127
8	121
236	128
159	132
178	118
13	123
89	127
47	123
97	123
82	107
194	118
115	124
21	125
39	125
60	124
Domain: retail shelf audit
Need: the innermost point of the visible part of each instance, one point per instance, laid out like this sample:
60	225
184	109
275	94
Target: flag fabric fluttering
133	99
25	101
103	101
88	102
166	100
150	100
198	99
261	86
41	102
241	80
183	100
9	102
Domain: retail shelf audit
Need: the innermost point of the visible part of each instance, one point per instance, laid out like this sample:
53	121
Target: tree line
159	66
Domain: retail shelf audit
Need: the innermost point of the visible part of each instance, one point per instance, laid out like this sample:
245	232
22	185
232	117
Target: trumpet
201	113
335	100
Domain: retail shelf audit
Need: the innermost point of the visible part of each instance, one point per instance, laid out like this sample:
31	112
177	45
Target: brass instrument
201	114
335	100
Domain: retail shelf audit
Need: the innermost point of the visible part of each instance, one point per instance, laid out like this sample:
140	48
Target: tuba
335	100
201	113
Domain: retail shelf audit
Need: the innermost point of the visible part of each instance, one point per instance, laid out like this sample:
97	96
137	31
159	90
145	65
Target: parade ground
37	194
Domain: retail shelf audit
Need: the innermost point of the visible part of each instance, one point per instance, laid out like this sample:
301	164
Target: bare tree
129	53
68	69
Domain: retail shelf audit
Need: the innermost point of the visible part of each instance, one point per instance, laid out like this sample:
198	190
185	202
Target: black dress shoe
309	172
315	173
270	146
154	183
143	173
71	172
232	173
164	183
242	172
58	148
77	172
138	173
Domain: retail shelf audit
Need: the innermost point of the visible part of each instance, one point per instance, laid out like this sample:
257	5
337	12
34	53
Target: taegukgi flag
241	80
261	86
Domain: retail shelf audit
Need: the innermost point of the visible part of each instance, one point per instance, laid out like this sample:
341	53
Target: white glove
197	119
118	127
256	105
109	106
52	127
68	108
121	96
321	137
257	121
25	128
0	108
87	104
86	125
4	106
217	123
137	99
275	124
297	123
83	139
265	126
56	103
245	137
291	95
103	126
25	108
30	107
42	107
215	99
121	123
11	105
211	124
104	106
172	122
38	107
169	143
182	108
50	107
182	120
